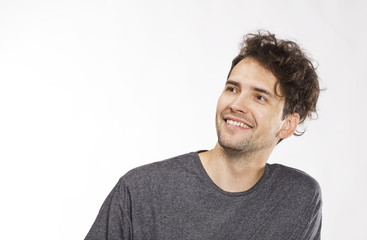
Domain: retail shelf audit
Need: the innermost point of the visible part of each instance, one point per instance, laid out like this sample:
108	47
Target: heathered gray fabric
176	199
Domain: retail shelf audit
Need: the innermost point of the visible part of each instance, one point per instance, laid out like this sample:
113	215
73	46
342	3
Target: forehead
250	70
250	73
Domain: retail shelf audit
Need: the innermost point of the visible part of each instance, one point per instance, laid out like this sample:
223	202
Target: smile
238	124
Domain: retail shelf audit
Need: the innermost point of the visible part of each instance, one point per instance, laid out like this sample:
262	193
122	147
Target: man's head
271	88
295	73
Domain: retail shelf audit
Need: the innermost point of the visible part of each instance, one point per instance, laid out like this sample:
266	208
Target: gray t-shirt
176	199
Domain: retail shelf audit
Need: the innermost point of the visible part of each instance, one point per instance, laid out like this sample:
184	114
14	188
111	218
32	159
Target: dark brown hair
294	71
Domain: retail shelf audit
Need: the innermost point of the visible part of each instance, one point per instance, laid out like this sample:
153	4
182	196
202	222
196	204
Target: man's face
249	113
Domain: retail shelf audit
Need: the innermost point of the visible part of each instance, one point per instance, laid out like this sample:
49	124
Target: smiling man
231	192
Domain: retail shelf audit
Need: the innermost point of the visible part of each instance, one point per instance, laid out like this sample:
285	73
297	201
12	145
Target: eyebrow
231	82
256	89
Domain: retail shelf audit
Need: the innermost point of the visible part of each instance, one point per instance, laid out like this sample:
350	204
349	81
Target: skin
238	159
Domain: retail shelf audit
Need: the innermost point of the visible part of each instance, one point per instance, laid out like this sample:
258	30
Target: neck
234	171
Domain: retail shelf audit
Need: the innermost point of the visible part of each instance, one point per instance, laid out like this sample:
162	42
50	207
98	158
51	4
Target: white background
90	89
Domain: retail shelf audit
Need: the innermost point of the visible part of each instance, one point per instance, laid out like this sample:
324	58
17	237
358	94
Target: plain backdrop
90	89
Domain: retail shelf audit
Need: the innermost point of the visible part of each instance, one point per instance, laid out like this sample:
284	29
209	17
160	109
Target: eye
231	89
261	98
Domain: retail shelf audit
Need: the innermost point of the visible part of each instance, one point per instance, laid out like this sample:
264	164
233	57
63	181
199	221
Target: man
230	192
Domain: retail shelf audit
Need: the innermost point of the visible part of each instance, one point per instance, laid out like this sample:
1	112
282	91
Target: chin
229	144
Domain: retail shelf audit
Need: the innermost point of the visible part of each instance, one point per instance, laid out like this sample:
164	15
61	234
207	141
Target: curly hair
293	70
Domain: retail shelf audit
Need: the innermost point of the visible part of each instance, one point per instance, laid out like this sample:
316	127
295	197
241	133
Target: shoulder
300	193
159	171
297	181
297	196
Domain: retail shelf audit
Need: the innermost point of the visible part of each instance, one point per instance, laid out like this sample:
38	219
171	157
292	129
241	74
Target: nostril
237	108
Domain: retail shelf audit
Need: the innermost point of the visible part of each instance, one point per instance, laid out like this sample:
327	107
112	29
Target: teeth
239	124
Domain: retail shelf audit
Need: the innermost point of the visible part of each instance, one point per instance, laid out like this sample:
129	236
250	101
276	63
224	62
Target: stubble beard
245	147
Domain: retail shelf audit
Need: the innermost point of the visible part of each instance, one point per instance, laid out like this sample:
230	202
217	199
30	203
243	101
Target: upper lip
237	120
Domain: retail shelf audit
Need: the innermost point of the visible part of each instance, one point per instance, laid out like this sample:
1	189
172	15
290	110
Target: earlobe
289	125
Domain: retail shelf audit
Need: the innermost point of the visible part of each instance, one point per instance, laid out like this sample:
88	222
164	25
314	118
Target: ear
289	126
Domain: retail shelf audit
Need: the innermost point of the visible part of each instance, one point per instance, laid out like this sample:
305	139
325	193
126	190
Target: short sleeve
309	226
114	218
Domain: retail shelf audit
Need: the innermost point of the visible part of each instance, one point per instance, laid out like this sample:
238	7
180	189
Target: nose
240	104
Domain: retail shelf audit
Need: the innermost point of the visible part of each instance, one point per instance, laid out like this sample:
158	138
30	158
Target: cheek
221	104
275	121
267	118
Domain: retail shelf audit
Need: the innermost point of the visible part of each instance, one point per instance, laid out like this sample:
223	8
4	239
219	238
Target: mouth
237	123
